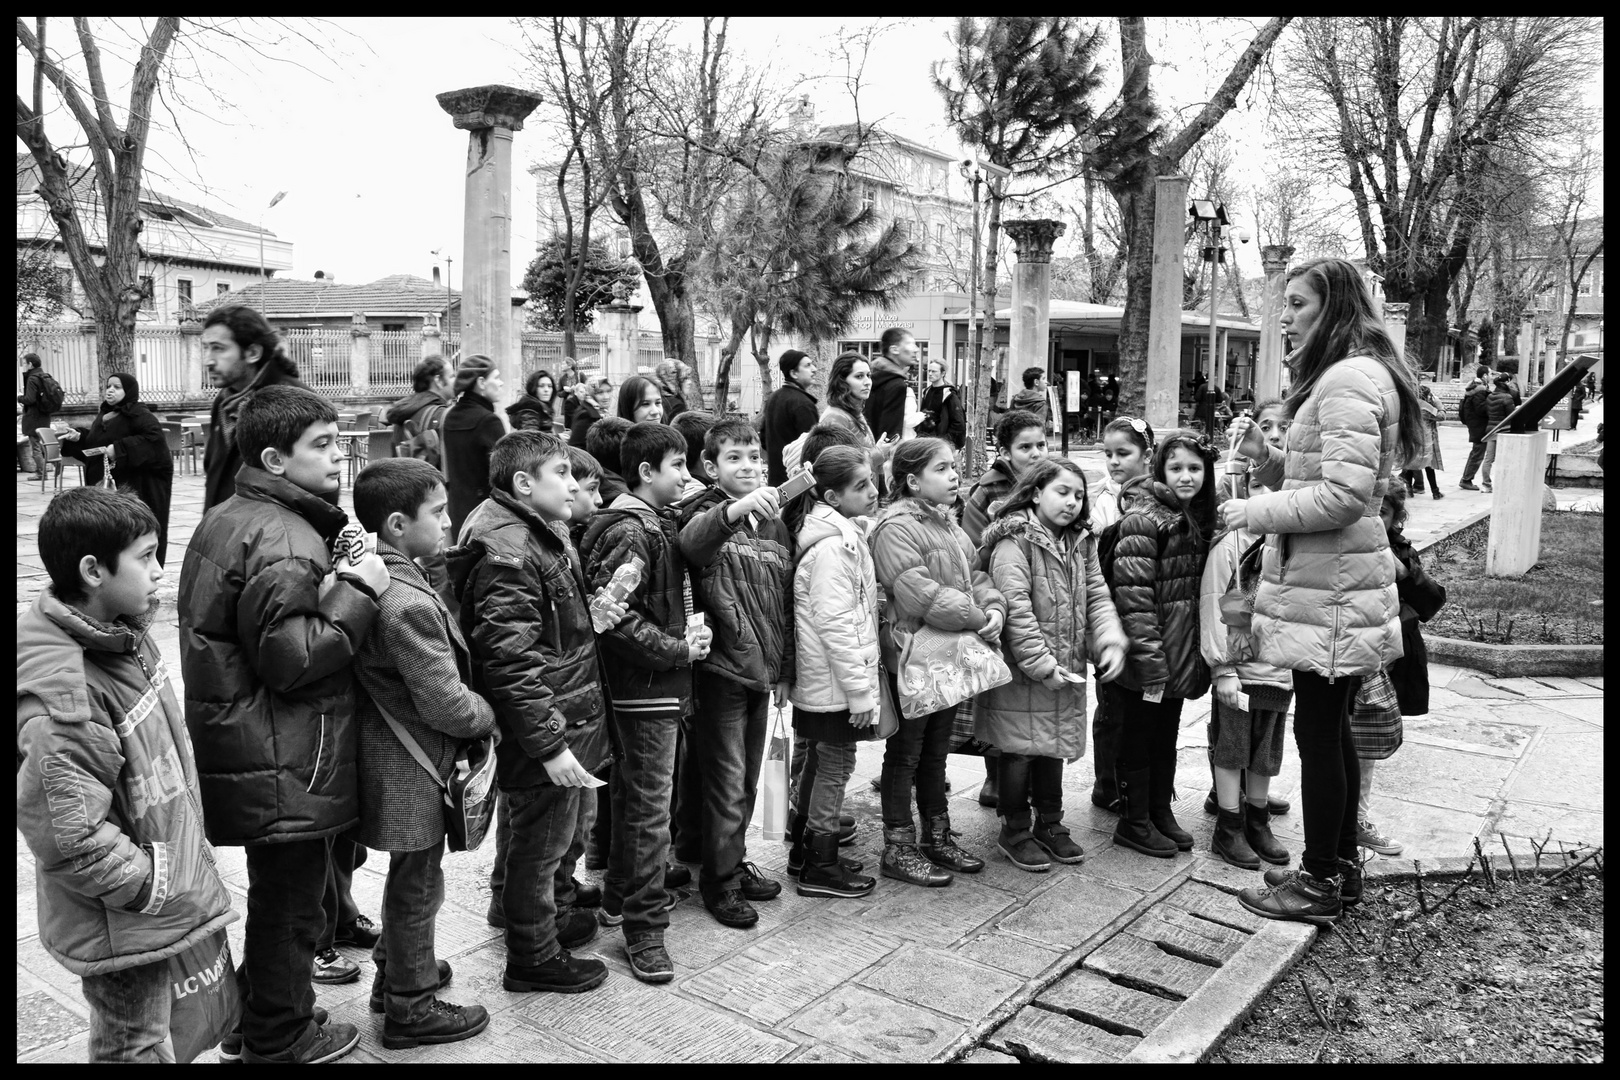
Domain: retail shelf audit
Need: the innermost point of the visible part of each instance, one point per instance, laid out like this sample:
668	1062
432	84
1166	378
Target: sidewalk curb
1425	544
1516	661
1457	866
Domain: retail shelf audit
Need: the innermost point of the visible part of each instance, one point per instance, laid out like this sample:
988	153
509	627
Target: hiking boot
825	874
939	847
756	886
377	989
1300	897
320	1043
1134	830
989	791
576	928
1257	831
1354	882
562	974
1368	836
362	933
1161	792
230	1047
732	909
587	895
1053	835
444	1023
649	961
332	969
676	876
1017	842
846	830
903	862
1229	842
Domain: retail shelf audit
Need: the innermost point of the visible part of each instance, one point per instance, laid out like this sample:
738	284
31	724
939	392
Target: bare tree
1579	237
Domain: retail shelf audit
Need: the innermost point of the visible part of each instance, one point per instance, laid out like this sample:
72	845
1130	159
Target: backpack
1107	541
422	436
50	396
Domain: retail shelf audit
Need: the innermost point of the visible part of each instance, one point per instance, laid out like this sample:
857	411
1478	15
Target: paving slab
43	1021
982	1056
1442	777
1101	1002
876	1026
1587	709
1183	934
1145	966
1039	1035
1476	735
1565	768
1011	953
1071	915
1536	820
1578	687
1209	903
941	982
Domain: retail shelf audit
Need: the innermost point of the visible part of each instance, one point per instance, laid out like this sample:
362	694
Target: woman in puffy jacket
1326	607
1158	562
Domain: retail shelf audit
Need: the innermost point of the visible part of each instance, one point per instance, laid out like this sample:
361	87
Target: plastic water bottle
623	582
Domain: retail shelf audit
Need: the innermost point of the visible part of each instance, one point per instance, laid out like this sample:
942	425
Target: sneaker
332	969
562	974
1486	485
1020	847
1299	897
1467	486
362	933
230	1047
676	876
576	928
330	1042
651	963
1349	892
377	988
1054	837
444	1023
756	886
732	909
1368	836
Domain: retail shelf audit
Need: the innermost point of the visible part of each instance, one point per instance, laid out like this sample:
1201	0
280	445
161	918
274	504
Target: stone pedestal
191	329
360	354
1395	323
1030	334
1164	328
489	115
432	338
1269	364
620	335
1518	476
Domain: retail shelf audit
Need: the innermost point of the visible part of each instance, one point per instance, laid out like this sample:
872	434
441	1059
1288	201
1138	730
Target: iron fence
322	356
394	356
157	360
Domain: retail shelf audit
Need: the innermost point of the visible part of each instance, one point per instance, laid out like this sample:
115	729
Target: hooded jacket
107	795
742	580
645	655
1032	400
265	653
1327	600
529	413
835	616
944	404
924	561
526	615
221	459
994	485
470	431
1058	614
1472	412
885	407
1158	568
1229	650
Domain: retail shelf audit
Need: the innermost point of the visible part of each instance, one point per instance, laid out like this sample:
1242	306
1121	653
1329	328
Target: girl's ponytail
834	470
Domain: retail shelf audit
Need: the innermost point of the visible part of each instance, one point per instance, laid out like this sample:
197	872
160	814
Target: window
1585	287
939	233
184	285
392	326
148	300
222	288
64	283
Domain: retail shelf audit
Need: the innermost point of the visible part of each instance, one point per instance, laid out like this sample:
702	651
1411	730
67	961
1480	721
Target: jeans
1025	779
1490	457
686	809
407	968
337	905
642	779
1476	455
1330	776
916	751
129	1014
728	743
545	821
285	885
563	891
827	768
1147	728
34	458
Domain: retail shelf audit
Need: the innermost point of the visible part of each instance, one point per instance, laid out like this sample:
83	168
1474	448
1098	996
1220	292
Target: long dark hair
631	391
1200	512
249	328
838	395
1028	490
1347	325
834	470
531	385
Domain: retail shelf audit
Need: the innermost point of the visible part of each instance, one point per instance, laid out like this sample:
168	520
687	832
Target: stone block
1563	768
1037	1035
830	1053
1521	818
1010	953
1144	965
1143	873
941	982
1183	934
1428	832
952	913
877	1027
43	1021
1222	875
1474	733
982	1056
1073	914
1210	903
1587	709
1566	685
1444	778
1087	996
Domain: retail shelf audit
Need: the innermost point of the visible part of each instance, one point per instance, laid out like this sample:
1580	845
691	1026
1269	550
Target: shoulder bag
469	796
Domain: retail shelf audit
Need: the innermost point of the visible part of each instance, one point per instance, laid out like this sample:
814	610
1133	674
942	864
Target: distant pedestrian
126	437
40	399
532	411
423	410
1032	398
668	376
590	404
1472	411
471	430
1429	460
790	411
943	415
1497	407
885	407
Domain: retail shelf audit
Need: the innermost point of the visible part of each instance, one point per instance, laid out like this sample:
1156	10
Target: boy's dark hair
733	428
522	451
277	417
393	485
694	425
89	521
603	440
1011	423
1031	374
32	359
648	443
583	465
428	370
823	436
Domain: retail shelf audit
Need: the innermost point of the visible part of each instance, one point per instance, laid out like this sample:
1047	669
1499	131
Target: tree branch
1226	96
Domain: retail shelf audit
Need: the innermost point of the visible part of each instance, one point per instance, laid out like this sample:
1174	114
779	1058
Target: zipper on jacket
556	631
320	747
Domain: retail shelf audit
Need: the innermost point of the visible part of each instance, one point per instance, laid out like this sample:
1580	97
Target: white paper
1243	701
592	782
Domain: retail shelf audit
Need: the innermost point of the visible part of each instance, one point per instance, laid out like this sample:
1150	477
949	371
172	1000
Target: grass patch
1558	602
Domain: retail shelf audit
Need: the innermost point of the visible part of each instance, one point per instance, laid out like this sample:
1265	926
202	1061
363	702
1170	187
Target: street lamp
448	261
279	196
1211	216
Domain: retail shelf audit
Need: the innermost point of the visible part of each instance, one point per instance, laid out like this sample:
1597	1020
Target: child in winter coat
836	694
1043	560
1157	565
925	562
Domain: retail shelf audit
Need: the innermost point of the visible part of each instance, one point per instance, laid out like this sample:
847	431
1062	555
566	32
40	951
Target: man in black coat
942	408
1472	412
1497	407
242	354
886	406
789	412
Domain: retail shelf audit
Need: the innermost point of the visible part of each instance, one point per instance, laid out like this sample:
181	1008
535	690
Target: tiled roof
82	181
395	294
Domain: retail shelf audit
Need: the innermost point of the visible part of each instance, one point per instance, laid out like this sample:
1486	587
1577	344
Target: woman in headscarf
126	432
671	396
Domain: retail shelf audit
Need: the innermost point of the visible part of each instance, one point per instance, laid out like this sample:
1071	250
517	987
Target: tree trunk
1136	210
999	363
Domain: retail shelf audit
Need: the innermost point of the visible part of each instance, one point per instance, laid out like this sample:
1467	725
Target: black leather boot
1228	841
825	874
1257	831
1161	790
1134	830
940	849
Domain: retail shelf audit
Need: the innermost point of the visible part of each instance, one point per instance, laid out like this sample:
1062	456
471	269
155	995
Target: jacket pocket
579	706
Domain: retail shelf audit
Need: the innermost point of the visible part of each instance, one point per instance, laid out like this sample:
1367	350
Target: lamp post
1218	228
278	197
448	261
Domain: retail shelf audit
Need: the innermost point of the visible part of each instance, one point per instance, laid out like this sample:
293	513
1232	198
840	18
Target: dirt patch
1510	975
1559	602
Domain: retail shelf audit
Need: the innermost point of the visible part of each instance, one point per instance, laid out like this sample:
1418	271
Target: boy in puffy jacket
107	795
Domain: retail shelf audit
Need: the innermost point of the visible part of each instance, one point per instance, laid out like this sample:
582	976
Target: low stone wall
1509	661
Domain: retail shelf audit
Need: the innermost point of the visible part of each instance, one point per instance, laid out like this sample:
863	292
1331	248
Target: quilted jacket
924	562
525	614
742	580
1472	410
1229	650
415	664
1058	614
265	656
1327	598
645	655
1158	565
996	483
835	616
107	795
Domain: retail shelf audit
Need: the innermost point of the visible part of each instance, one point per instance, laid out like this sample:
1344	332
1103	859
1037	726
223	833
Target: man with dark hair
430	389
789	412
36	413
694	426
602	441
1032	398
942	408
242	354
886	405
1472	412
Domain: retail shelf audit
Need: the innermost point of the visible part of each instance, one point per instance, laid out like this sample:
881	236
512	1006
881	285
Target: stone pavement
1120	957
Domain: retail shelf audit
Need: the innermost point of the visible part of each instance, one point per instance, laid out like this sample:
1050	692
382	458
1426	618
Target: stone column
620	335
1395	323
489	115
1031	336
1518	475
359	354
1269	364
432	338
1164	328
1527	349
191	339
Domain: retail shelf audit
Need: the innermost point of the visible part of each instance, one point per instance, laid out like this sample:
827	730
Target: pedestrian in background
127	438
37	410
533	411
472	427
1473	413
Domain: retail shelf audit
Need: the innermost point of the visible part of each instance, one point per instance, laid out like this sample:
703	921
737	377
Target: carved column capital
488	106
1396	313
1033	237
1274	257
